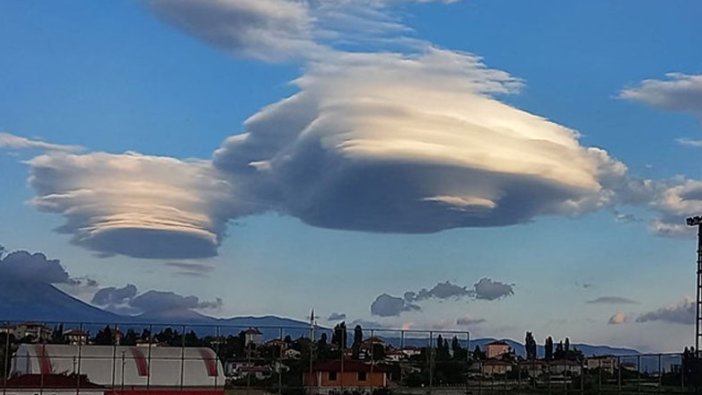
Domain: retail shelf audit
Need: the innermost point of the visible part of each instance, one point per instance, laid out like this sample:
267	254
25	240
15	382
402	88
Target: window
361	376
332	376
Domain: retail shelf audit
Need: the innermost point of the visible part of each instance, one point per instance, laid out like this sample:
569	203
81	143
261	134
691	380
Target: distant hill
32	301
35	301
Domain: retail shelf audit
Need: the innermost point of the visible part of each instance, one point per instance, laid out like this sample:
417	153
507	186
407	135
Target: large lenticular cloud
135	205
393	143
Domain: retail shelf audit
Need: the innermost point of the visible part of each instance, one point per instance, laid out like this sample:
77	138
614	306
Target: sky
484	166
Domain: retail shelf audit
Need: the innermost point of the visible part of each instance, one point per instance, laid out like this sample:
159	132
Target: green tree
548	348
104	337
530	346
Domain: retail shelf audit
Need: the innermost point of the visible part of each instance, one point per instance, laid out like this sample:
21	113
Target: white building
496	349
123	365
253	336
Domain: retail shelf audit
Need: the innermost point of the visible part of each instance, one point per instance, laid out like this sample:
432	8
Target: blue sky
162	80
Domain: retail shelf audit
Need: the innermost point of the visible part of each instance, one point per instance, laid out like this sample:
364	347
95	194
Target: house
496	349
371	345
607	363
533	368
411	351
565	367
76	337
291	354
54	384
278	344
253	336
337	376
28	330
495	367
395	355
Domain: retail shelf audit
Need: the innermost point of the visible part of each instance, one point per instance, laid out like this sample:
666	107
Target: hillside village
338	361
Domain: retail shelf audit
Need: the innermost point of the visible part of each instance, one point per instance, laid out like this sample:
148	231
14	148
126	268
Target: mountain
36	301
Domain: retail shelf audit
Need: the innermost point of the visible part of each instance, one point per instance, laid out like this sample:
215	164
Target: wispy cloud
689	142
190	268
11	141
612	300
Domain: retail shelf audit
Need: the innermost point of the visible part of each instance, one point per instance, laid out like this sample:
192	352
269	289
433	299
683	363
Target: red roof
253	331
349	366
50	381
498	343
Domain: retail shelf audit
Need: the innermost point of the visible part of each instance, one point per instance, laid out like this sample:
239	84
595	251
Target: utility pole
697	221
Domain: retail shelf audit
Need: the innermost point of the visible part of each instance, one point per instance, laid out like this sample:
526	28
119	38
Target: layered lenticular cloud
393	143
135	205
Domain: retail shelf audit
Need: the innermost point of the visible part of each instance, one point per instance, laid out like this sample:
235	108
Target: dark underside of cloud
149	244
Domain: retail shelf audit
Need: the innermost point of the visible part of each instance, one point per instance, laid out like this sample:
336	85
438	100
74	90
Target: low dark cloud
114	296
36	267
336	317
388	306
127	300
443	290
682	313
488	289
612	300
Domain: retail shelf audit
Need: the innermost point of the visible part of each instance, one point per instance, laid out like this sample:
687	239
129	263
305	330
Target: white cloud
393	143
680	92
689	142
618	319
11	141
135	205
674	200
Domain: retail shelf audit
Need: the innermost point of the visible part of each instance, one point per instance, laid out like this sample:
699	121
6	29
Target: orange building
328	376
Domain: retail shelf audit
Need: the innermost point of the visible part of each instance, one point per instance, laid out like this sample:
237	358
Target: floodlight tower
697	221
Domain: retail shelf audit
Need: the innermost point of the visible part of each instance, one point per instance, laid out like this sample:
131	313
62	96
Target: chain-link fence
132	358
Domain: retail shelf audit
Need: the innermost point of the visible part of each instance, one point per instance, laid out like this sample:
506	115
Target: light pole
697	221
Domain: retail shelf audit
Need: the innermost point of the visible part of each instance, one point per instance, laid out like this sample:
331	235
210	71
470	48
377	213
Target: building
54	384
495	367
533	368
371	345
253	336
336	377
28	331
565	367
496	349
139	367
76	337
607	363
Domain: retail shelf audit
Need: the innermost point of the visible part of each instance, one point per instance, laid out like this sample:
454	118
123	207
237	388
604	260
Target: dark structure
697	221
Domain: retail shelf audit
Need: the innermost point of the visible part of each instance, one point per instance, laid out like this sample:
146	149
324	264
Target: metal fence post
280	362
431	361
182	358
6	362
619	374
